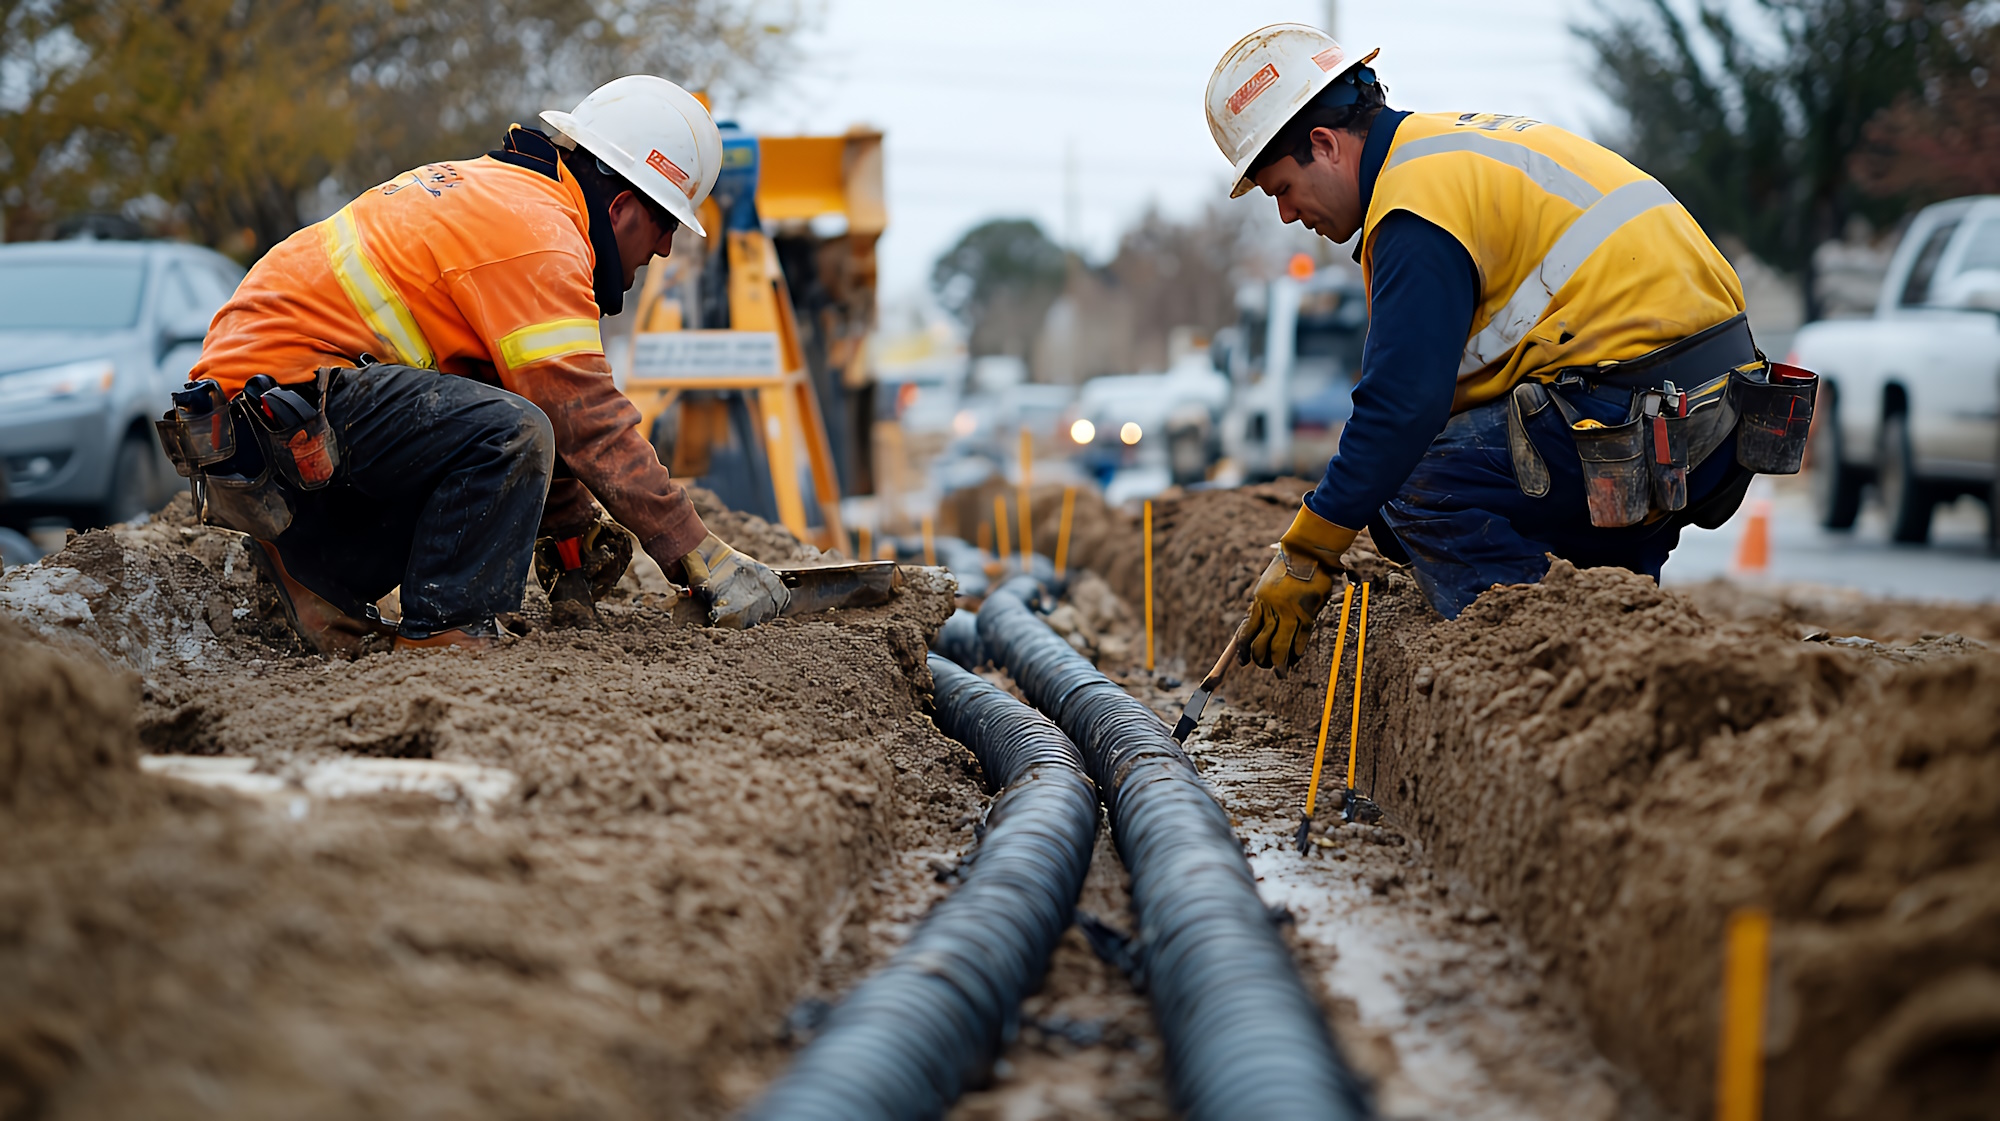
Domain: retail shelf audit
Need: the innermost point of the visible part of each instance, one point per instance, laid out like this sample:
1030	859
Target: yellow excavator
747	365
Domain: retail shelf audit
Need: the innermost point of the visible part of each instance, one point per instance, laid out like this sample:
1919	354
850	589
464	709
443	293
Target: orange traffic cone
1753	551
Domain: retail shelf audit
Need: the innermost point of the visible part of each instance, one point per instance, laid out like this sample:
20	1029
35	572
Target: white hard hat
1262	82
653	133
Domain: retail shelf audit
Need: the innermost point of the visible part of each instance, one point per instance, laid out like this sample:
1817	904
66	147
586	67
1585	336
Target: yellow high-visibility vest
1582	257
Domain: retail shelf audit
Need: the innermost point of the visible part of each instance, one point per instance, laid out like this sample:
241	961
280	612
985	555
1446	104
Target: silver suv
94	335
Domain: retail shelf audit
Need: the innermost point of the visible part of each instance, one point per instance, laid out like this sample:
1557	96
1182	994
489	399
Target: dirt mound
1613	771
1805	608
67	736
748	533
679	859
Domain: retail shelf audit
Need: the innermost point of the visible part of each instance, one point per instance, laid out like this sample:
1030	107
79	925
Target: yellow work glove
1288	596
740	590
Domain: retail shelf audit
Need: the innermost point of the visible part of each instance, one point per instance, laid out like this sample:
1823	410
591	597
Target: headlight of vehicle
1082	432
73	379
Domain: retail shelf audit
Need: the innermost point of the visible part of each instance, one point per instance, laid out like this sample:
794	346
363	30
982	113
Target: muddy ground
644	874
675	859
1612	768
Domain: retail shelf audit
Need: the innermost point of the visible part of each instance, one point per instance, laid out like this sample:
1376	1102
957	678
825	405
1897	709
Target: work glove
1288	596
602	553
740	590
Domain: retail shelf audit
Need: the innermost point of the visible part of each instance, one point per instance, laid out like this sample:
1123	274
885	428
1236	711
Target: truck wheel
1907	500
131	491
1836	484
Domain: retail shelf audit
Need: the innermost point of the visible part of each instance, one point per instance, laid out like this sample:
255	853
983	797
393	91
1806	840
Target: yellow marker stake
867	549
1000	527
1062	532
1746	971
1027	526
1149	587
985	536
1360	651
930	542
1326	710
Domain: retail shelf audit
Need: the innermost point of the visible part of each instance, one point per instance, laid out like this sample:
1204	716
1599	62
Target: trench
1602	771
909	1039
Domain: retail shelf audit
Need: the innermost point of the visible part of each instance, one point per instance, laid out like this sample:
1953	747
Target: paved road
1954	566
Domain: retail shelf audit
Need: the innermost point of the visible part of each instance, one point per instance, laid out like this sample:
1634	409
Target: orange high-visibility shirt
478	268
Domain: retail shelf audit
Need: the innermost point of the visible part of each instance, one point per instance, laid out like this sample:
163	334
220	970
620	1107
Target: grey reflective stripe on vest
1544	172
1511	323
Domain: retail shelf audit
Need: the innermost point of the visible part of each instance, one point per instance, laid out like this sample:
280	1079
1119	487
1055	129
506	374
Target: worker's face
640	238
1324	195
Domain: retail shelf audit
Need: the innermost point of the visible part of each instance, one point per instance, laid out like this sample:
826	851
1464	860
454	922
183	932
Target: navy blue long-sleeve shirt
1422	294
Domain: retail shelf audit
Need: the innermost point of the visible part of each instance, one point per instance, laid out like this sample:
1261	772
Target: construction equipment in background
746	365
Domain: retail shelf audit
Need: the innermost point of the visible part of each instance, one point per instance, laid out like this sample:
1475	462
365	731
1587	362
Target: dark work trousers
1467	526
440	491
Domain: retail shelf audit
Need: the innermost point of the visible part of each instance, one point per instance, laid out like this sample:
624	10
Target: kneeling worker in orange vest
424	372
1557	360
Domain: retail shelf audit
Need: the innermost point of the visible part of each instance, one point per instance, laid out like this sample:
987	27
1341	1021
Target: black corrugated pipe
1244	1038
959	641
908	1040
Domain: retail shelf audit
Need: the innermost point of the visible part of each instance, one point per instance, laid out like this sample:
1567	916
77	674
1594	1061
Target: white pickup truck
1910	398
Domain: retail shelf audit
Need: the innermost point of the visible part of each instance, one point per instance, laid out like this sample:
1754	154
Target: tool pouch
1775	403
198	431
1667	454
300	444
1531	472
1617	483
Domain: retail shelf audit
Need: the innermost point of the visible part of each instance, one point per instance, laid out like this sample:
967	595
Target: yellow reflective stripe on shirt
371	294
539	342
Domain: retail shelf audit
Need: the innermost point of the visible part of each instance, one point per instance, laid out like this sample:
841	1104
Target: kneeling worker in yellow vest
414	390
1557	357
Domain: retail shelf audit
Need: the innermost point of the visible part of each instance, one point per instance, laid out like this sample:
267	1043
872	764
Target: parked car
1910	397
94	336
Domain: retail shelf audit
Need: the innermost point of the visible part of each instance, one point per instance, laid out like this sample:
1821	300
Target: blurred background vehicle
94	335
1137	434
1292	360
1910	398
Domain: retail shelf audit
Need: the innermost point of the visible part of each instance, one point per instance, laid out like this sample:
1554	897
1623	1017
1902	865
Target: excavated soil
1613	768
701	828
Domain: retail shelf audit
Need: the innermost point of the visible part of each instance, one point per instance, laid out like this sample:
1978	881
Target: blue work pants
1467	526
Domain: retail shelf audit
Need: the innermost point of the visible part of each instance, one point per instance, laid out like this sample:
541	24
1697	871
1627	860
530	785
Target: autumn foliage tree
1941	143
215	117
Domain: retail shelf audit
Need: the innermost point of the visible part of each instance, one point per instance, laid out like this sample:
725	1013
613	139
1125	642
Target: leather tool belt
247	455
1683	401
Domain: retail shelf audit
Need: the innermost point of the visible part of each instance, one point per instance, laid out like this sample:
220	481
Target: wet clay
1612	770
706	825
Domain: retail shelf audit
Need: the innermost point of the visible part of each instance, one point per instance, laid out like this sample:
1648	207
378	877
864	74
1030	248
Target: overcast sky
982	103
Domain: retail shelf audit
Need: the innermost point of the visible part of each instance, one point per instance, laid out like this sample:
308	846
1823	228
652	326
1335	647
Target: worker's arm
1422	297
1421	300
538	312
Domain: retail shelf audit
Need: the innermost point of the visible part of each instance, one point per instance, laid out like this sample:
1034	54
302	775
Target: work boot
319	623
475	636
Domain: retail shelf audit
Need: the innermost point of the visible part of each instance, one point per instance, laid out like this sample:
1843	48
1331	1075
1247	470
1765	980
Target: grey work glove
740	591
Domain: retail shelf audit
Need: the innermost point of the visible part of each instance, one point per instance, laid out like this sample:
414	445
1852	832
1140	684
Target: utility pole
1072	233
1333	18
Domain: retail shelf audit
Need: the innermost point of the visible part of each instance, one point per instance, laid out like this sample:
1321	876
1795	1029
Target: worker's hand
1291	592
740	591
602	552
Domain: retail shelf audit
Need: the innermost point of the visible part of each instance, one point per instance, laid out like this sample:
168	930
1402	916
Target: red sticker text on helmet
1258	83
1330	58
672	171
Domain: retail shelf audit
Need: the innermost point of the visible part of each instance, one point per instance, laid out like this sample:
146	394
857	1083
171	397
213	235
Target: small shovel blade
1304	836
1191	714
